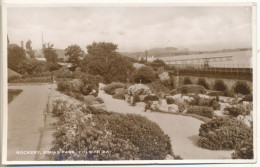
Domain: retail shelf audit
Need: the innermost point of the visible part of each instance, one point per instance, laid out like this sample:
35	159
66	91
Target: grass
12	93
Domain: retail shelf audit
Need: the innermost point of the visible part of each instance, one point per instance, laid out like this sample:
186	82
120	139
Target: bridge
228	78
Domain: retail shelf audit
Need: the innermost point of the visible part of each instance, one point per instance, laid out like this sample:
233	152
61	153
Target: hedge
201	110
223	133
197	89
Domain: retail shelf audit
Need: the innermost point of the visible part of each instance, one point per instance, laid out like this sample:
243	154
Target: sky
134	29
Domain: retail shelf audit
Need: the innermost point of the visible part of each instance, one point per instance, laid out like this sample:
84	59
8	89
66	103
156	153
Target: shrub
248	97
90	100
110	88
191	89
209	102
90	84
119	93
201	110
223	134
157	87
181	105
238	109
144	74
12	78
136	99
244	150
215	93
151	142
170	100
151	98
59	107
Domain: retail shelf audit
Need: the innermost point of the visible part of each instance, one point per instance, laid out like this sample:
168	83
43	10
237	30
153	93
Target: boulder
173	108
100	106
249	118
137	65
164	76
101	86
154	105
246	103
218	113
142	97
203	96
187	98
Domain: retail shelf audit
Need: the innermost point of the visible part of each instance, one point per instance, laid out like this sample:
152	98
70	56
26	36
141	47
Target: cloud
133	28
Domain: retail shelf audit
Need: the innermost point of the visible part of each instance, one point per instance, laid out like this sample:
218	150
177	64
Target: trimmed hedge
201	110
223	134
32	80
209	102
151	98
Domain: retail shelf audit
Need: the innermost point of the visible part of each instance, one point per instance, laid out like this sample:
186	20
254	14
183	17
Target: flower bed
84	129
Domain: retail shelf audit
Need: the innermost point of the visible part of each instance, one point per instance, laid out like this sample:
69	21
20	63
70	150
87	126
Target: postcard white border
79	3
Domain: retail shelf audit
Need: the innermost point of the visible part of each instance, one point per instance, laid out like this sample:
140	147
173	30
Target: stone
101	86
187	98
100	106
218	113
164	76
203	96
163	102
240	117
142	97
249	118
169	157
173	108
154	105
224	105
137	65
246	103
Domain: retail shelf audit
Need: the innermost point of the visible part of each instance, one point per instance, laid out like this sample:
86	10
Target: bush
215	93
138	89
223	134
12	78
181	105
201	110
144	74
197	89
136	99
110	88
90	84
248	98
151	142
157	87
238	109
119	93
151	98
209	102
90	100
245	149
170	100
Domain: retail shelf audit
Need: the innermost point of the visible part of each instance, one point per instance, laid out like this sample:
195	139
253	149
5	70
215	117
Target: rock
224	99
173	108
164	76
142	97
163	102
203	96
251	114
101	86
169	157
154	105
246	103
137	65
187	98
249	118
218	113
177	96
246	122
90	100
223	105
240	117
163	108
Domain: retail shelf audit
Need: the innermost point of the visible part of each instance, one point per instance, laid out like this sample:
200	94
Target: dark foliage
242	88
223	134
110	88
151	98
191	89
15	56
203	82
238	109
248	98
201	110
144	74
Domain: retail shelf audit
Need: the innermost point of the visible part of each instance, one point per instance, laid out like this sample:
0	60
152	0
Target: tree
15	56
29	48
144	74
74	52
102	59
50	53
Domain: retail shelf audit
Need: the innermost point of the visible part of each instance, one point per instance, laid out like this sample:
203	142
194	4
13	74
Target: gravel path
183	130
26	120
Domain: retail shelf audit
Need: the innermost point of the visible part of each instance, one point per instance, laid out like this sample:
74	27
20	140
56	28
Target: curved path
183	130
